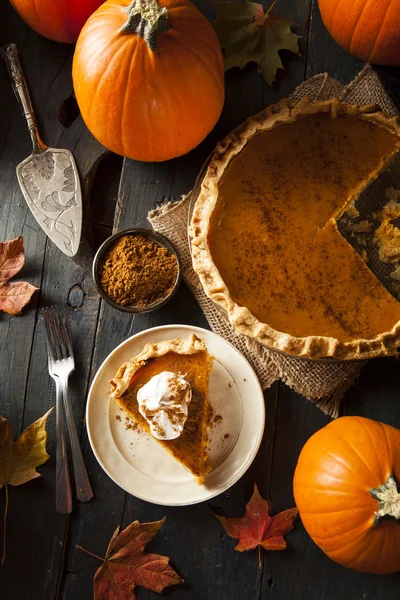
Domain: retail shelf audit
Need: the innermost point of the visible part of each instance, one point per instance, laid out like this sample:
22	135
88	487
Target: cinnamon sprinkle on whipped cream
163	402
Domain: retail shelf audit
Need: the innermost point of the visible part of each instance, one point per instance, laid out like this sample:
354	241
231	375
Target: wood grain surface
42	559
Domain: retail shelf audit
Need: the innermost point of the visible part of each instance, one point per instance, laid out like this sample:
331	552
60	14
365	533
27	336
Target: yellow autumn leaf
19	460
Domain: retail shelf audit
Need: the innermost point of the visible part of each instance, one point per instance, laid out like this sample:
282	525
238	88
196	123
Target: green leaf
248	34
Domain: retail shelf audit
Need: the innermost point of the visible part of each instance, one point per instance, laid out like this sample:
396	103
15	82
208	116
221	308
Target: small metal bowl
159	239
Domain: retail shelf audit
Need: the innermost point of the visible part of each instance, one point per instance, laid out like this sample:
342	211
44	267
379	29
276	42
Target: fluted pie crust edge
241	317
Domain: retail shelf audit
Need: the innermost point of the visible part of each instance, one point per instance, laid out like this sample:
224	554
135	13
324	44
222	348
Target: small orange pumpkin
149	77
346	489
368	30
59	20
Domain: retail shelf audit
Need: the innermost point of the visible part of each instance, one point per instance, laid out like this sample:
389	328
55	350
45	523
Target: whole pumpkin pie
164	389
265	241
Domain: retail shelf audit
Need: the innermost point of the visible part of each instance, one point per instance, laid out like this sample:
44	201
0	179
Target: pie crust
191	447
312	346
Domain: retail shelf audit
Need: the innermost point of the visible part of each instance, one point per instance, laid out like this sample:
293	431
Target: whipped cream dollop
163	402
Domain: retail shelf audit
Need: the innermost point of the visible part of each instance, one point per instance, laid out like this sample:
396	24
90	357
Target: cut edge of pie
313	346
126	373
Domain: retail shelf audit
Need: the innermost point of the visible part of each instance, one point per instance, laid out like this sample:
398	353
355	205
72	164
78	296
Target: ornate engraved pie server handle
11	56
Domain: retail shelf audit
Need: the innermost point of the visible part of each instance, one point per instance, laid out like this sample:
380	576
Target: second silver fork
62	364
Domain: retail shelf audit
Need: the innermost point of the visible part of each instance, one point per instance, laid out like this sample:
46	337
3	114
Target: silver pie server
49	177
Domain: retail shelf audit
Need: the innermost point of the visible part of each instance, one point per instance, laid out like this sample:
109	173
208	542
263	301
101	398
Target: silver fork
62	365
63	483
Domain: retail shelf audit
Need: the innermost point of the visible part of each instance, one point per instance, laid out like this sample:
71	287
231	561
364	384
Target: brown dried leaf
127	566
15	295
12	258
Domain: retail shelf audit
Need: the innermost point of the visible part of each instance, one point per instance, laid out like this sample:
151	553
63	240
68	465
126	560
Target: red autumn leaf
257	528
13	296
127	566
12	258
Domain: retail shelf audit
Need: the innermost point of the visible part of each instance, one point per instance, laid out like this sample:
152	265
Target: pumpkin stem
388	497
147	19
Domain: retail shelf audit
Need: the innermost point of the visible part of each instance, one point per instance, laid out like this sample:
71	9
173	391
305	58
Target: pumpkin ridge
337	459
386	440
108	68
361	459
339	510
200	59
380	29
333	16
357	538
165	75
193	89
147	108
358	23
133	57
322	490
334	13
36	8
367	549
362	422
346	562
99	52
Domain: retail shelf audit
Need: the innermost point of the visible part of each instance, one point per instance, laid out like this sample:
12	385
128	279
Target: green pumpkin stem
388	497
148	20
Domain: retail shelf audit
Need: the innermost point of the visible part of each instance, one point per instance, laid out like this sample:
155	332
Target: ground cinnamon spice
137	271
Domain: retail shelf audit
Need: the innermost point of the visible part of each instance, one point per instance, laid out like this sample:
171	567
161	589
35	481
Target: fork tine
63	337
69	336
49	334
58	346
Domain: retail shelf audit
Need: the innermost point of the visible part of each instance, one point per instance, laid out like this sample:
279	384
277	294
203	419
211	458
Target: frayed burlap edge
323	383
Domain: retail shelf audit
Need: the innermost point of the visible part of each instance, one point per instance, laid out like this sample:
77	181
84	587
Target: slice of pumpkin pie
164	389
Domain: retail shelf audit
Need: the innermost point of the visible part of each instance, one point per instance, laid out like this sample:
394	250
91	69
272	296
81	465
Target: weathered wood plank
25	385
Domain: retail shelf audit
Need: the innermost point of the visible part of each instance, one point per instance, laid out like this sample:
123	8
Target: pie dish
264	234
190	359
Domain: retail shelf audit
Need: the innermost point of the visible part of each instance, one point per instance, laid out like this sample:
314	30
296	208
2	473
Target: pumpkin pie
188	360
265	241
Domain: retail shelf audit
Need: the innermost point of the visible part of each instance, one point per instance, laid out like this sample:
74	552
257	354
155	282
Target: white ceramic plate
141	466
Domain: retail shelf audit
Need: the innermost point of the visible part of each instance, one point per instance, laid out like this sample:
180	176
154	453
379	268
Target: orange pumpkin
370	30
345	487
149	77
59	20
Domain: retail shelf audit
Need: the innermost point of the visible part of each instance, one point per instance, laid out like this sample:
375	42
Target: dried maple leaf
18	460
127	566
247	34
13	296
257	528
11	258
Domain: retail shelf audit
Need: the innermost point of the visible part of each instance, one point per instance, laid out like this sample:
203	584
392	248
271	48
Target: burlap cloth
323	383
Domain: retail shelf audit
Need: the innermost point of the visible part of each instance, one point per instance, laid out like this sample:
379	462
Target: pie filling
273	233
190	447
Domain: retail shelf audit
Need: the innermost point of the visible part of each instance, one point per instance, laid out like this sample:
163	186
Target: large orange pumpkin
345	487
148	77
368	29
59	20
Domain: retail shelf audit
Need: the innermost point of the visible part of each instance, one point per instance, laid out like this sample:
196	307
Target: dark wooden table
42	559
